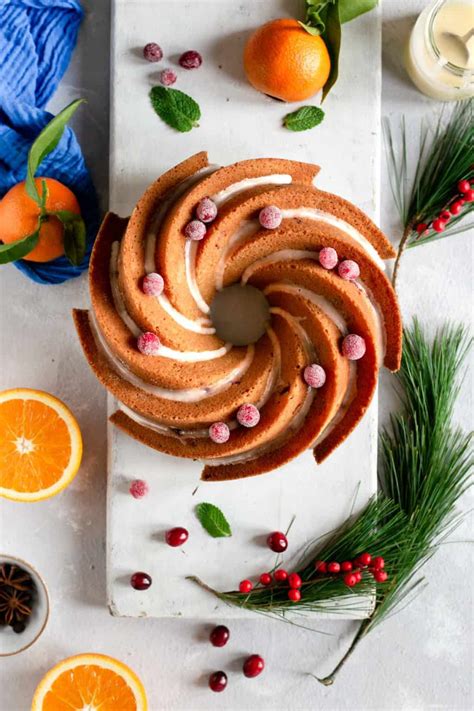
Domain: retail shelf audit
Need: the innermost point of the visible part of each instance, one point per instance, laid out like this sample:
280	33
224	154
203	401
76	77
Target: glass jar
433	60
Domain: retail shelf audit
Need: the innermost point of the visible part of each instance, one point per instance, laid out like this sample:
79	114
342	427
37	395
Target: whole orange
19	218
283	60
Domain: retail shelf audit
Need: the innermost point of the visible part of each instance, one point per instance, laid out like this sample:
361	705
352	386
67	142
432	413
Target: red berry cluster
351	570
464	194
252	666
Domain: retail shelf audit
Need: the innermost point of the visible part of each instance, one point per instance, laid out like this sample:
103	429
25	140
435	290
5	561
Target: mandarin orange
282	60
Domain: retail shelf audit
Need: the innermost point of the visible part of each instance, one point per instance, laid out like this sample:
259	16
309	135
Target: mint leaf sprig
175	108
213	520
303	118
73	224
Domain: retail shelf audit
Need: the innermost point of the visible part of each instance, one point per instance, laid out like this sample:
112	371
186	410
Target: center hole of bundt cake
240	314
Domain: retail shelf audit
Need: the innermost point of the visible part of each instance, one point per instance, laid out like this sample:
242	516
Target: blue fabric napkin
37	38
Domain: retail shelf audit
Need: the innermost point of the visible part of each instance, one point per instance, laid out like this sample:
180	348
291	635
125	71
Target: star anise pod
15	605
15	577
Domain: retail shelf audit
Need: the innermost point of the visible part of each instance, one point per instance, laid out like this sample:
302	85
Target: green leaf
350	9
74	236
213	520
19	249
304	118
332	38
46	142
175	108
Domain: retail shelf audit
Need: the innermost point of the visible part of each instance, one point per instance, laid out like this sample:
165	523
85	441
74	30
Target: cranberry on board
219	636
176	536
277	542
253	666
140	581
218	681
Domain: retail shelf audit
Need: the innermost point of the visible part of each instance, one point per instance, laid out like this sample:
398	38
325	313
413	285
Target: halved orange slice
90	681
40	445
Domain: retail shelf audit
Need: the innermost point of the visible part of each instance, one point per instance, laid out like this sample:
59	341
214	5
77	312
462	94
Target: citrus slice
40	445
90	681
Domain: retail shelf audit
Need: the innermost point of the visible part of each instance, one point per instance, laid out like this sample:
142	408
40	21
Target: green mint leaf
175	108
350	9
19	249
304	118
74	235
213	520
46	142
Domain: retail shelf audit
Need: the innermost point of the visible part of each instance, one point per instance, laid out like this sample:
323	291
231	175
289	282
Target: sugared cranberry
153	284
219	636
253	666
469	196
218	681
346	566
378	562
152	52
314	375
334	567
350	579
140	581
265	579
277	542
168	77
270	217
248	415
464	186
219	432
380	576
294	595
245	586
195	230
328	258
321	566
206	210
176	536
139	488
190	59
348	270
439	225
280	575
456	207
294	580
364	559
148	344
353	347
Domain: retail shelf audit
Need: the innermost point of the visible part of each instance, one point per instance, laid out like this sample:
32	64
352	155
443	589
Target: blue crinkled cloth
37	38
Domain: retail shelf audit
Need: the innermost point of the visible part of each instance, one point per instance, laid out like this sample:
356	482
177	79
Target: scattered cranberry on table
277	542
168	77
253	666
219	636
139	488
152	52
176	536
218	681
245	586
140	581
265	579
190	59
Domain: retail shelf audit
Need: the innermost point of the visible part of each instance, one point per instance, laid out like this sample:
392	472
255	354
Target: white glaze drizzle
281	255
190	250
243	234
248	183
324	304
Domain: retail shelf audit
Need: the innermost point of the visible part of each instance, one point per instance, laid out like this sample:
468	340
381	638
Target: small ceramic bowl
12	642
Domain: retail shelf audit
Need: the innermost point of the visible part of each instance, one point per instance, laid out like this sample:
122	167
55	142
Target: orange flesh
89	686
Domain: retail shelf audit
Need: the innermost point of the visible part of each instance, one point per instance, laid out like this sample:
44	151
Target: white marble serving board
236	123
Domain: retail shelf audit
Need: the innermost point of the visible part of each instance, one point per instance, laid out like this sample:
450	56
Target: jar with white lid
438	62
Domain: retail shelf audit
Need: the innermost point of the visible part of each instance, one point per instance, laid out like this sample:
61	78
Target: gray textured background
420	659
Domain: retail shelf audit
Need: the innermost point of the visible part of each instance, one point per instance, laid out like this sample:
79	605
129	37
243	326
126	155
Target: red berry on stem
334	567
421	227
445	215
350	579
280	575
380	576
245	586
346	566
365	559
294	580
176	536
456	207
358	575
321	566
378	562
219	636
439	225
218	681
140	581
464	186
265	579
253	666
294	595
469	196
277	542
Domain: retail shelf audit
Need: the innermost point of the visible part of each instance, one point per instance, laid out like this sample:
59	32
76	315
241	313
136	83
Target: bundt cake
306	382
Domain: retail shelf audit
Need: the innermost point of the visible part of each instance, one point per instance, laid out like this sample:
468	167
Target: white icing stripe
197	326
192	356
320	301
248	183
282	255
189	395
246	229
311	213
190	249
381	336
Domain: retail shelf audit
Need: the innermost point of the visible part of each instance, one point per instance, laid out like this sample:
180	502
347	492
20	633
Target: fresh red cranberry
140	581
294	595
176	536
378	562
190	59
346	566
350	579
152	52
219	636
245	586
294	580
321	566
280	575
253	666
380	576
265	579
334	567
218	681
277	542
